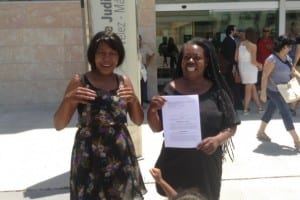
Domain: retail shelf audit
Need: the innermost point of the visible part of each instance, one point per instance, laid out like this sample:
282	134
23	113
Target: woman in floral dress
104	164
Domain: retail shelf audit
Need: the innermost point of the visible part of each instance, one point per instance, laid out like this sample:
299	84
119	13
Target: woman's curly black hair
282	41
212	72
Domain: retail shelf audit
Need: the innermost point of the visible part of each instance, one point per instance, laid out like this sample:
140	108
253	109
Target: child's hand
156	174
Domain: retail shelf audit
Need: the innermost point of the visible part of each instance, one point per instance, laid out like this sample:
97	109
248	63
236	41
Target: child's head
189	194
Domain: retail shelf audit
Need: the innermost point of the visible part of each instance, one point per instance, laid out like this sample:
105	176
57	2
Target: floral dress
104	164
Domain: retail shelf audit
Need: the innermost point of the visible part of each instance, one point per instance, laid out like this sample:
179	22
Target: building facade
41	42
183	19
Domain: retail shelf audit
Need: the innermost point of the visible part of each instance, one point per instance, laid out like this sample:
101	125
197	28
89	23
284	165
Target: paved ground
34	159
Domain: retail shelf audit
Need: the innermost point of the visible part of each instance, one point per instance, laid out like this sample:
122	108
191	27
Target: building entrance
209	25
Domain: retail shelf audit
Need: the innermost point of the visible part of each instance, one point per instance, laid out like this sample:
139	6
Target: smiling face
106	59
193	61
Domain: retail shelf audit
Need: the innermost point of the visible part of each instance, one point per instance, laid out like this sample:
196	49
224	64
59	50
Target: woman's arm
153	117
295	73
135	109
223	136
253	53
267	70
236	55
75	93
297	55
210	144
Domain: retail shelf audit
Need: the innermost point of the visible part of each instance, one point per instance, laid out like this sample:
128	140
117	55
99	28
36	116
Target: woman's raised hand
126	93
80	95
263	96
156	103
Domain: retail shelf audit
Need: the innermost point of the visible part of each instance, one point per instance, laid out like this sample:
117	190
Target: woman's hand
260	67
263	96
127	93
153	117
80	95
209	145
75	93
156	104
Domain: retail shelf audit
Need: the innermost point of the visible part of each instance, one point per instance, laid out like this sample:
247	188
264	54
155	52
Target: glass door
209	20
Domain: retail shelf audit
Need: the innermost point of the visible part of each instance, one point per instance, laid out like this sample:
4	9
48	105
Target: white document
181	121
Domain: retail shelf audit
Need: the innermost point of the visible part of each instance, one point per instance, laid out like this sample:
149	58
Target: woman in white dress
248	68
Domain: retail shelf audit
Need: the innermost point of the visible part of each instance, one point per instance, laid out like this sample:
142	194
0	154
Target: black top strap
120	79
285	62
85	81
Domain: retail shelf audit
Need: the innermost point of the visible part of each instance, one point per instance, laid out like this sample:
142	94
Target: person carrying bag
277	69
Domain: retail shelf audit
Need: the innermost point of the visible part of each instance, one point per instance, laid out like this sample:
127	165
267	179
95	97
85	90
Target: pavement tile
35	159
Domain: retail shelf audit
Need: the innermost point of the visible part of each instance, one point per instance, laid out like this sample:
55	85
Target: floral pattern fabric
104	164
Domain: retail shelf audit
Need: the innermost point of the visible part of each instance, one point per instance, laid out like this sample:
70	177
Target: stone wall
41	48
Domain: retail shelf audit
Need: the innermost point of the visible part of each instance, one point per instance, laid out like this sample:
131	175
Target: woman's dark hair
109	38
213	73
251	35
282	41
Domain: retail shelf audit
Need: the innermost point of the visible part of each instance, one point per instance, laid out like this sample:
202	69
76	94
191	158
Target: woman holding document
199	166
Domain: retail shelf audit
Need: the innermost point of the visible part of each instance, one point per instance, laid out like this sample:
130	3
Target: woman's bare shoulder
176	83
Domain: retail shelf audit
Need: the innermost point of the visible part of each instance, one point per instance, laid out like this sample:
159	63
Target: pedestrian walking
278	69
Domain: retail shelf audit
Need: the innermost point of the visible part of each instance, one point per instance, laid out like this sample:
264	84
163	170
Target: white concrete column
282	17
147	28
120	17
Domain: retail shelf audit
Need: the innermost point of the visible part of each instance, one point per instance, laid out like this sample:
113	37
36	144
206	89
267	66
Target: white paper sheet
181	121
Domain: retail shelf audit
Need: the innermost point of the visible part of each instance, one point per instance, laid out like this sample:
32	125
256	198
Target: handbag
290	91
